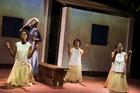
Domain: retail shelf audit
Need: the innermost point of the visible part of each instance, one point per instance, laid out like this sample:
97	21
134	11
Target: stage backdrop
79	25
24	9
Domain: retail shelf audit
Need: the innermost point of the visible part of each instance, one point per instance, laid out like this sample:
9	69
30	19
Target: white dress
21	73
119	65
118	81
74	74
75	57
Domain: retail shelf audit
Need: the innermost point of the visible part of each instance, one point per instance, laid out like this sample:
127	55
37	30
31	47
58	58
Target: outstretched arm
126	58
12	51
129	53
113	54
85	49
69	49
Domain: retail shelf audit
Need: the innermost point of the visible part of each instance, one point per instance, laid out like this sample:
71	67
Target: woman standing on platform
74	74
21	73
34	38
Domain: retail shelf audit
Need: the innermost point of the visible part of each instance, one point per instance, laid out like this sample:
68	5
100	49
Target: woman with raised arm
74	73
118	82
21	73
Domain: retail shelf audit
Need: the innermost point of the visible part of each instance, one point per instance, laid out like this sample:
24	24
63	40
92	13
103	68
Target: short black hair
78	41
24	30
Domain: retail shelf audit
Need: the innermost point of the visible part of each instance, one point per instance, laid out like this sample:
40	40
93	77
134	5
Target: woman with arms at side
32	25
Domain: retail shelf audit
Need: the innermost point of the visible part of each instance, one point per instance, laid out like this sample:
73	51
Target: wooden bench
52	74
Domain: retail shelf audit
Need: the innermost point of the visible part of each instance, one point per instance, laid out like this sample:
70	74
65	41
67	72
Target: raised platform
52	74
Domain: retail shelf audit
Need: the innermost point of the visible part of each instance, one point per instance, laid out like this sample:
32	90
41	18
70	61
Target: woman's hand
8	44
86	45
129	51
116	51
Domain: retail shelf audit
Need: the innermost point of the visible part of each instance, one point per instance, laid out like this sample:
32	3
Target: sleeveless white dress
118	80
119	65
74	74
21	73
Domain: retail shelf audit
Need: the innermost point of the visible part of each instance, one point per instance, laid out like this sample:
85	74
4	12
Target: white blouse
75	57
22	52
119	65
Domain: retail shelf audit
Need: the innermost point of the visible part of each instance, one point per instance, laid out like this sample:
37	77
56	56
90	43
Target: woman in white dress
118	82
21	73
74	73
110	74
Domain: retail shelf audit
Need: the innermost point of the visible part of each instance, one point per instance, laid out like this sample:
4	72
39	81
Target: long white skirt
74	74
118	82
21	74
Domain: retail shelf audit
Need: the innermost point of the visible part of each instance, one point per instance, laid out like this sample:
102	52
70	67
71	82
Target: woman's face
77	43
120	47
34	23
24	36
